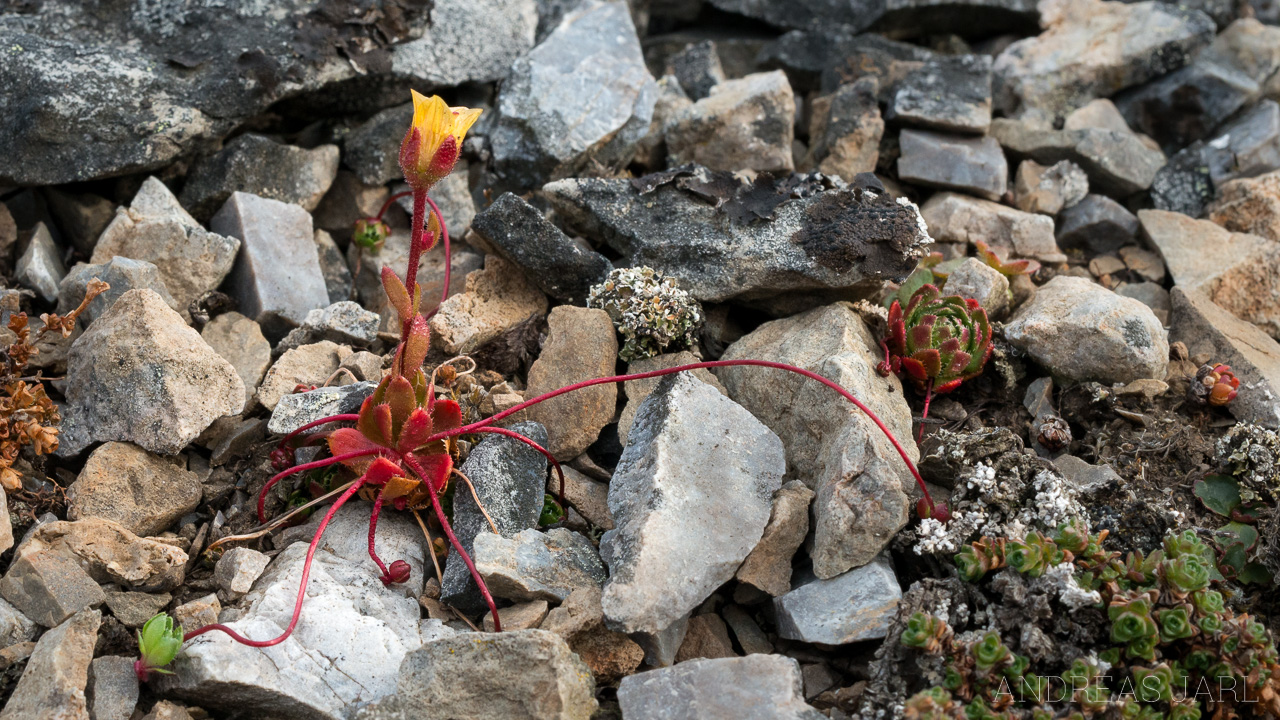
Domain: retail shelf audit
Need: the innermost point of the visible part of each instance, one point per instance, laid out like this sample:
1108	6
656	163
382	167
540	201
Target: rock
509	477
1184	184
582	96
858	605
6	525
961	219
521	616
1254	356
240	342
1117	163
768	567
52	686
1048	190
140	360
497	299
40	267
750	637
1084	476
1151	294
651	150
294	410
860	481
697	68
757	686
707	637
677	539
333	266
110	553
1250	205
199	612
259	166
537	566
1247	146
81	216
845	130
48	587
350	199
113	688
165	710
307	365
155	228
134	609
560	267
342	322
589	497
238	569
974	165
350	640
1100	114
277	278
1092	49
610	655
364	365
1098	223
395	255
913	16
372	150
15	627
8	232
809	245
581	345
1080	331
949	93
637	390
744	124
123	483
1144	263
122	274
472	41
979	281
1243	283
522	675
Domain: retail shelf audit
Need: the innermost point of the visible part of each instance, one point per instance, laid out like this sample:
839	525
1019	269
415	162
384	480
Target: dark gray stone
40	267
857	605
1184	185
1247	146
697	68
1118	163
49	586
112	693
509	477
757	687
1097	222
297	409
538	565
953	162
373	149
960	17
260	166
951	93
467	41
744	124
337	274
826	59
122	274
560	267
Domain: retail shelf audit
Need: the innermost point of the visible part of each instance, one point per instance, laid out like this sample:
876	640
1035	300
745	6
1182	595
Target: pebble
343	322
143	492
1098	223
113	688
199	612
536	565
40	267
953	162
297	409
521	616
589	497
858	605
743	124
707	637
52	686
308	365
756	687
768	566
122	274
1085	476
260	166
948	93
751	638
979	281
109	553
134	609
697	68
1048	190
581	345
955	218
48	587
467	41
497	300
238	569
81	216
240	342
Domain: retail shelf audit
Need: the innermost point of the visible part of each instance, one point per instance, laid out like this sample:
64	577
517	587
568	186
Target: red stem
448	256
373	531
262	496
302	586
415	240
527	441
928	396
453	540
387	205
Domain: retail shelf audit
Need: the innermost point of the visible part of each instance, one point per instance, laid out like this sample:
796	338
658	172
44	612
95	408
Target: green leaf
1219	493
1246	534
919	278
1255	573
552	513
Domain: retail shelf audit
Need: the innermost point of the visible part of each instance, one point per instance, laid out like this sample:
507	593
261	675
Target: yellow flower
431	146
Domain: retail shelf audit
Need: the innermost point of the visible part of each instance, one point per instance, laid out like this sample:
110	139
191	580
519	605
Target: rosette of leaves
650	311
937	342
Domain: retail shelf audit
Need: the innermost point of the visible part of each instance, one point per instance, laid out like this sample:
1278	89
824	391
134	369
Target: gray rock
744	124
1048	190
690	497
860	481
48	587
122	274
509	477
297	409
560	267
155	228
1117	163
697	68
1098	223
349	642
240	342
139	374
1184	184
81	216
651	150
845	130
954	218
238	569
581	96
757	687
750	637
277	278
333	266
343	322
467	41
537	566
52	686
133	609
916	16
1151	294
589	497
949	93
198	612
823	59
858	605
1081	331
110	554
453	196
308	365
979	281
809	245
15	627
126	484
638	390
113	688
973	165
1084	476
1247	146
260	166
768	567
373	149
40	267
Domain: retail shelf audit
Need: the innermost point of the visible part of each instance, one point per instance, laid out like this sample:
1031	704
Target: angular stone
768	567
1151	294
1084	476
395	255
122	274
845	129
949	93
637	390
238	569
364	365
1048	190
40	267
372	150
860	481
697	68
277	278
691	497
333	266
509	477
582	96
126	484
521	616
497	299
165	710
139	374
1097	222
537	566
1100	114
589	497
809	245
744	124
81	216
581	345
48	587
974	165
198	612
15	627
260	166
1081	331
240	342
6	525
758	687
857	605
1250	205
1247	146
913	16
1243	283
560	267
610	655
350	199
954	218
155	228
307	365
52	686
467	41
113	688
651	150
110	554
134	609
342	322
707	637
750	637
1092	49
297	409
1117	163
1184	184
979	281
